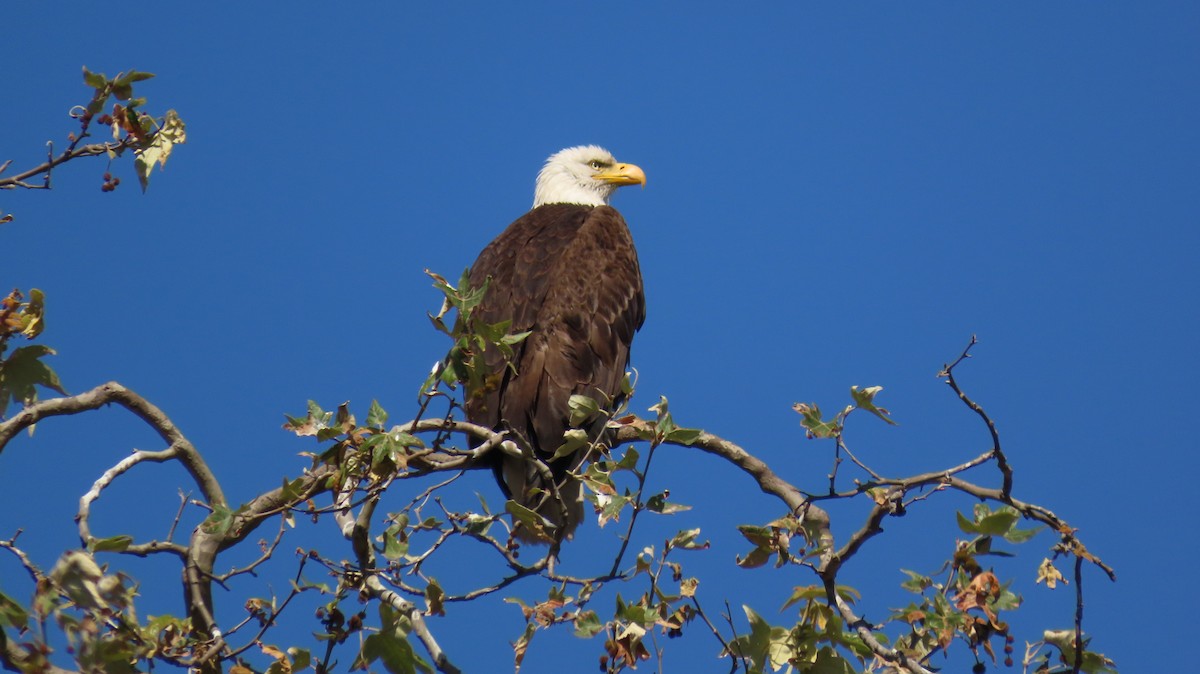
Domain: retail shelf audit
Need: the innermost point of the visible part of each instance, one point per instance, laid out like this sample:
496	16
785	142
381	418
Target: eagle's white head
585	175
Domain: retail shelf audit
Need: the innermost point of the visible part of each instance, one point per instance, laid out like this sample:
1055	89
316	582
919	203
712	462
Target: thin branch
638	506
1078	615
1001	459
18	180
715	631
30	567
267	554
767	480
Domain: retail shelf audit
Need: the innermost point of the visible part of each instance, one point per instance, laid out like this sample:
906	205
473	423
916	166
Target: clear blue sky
837	196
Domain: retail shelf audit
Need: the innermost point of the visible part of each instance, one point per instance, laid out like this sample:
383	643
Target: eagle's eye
596	164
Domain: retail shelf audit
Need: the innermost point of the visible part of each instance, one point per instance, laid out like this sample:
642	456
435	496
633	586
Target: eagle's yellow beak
623	174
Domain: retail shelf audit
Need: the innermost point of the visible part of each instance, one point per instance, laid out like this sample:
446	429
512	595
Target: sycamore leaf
33	314
686	540
111	544
812	422
12	614
1093	663
684	436
22	372
864	399
393	650
1048	573
582	409
172	133
573	441
376	416
522	644
659	504
587	624
534	523
434	594
94	80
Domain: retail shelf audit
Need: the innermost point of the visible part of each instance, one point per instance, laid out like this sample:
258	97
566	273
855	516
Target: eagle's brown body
569	274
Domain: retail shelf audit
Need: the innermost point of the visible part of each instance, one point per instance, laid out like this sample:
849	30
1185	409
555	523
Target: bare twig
1078	615
998	452
30	568
18	180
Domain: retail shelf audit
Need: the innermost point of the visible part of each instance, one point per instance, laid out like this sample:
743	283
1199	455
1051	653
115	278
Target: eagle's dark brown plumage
567	272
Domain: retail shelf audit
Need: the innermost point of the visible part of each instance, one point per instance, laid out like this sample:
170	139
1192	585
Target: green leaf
582	409
686	540
12	614
1093	663
587	624
598	480
534	523
1016	535
376	416
393	650
629	461
684	436
133	76
754	559
812	422
916	582
573	441
434	594
111	544
967	526
218	521
515	338
394	547
659	504
301	658
22	372
864	399
987	523
94	80
829	662
613	505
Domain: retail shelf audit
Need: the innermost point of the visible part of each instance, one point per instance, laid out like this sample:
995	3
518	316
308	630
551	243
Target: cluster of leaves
818	427
152	139
23	371
371	452
817	642
966	604
94	611
668	604
465	363
967	601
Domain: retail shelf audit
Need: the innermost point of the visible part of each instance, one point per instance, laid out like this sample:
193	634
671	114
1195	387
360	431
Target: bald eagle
567	272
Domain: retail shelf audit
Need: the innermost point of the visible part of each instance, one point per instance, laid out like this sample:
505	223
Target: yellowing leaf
172	133
1048	573
864	399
